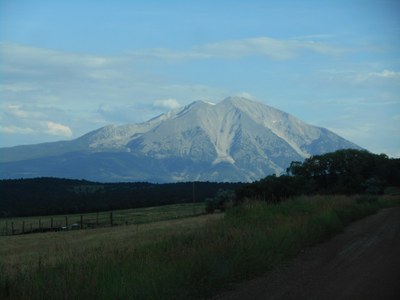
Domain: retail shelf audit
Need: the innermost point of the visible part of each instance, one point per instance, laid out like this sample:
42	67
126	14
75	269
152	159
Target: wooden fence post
194	200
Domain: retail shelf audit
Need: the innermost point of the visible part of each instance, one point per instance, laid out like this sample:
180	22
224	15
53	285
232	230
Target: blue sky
69	67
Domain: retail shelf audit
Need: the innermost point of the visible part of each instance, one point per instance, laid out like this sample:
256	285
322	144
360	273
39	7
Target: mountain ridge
236	139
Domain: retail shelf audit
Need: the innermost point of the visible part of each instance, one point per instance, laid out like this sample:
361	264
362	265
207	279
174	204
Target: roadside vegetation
264	223
177	259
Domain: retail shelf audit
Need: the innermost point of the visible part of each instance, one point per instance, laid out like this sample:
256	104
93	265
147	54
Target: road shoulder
363	262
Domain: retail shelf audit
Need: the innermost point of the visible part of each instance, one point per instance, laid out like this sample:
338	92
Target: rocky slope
234	140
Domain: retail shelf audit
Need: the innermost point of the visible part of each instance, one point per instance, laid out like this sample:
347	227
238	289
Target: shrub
221	201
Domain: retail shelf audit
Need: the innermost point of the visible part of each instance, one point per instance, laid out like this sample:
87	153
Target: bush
221	201
373	186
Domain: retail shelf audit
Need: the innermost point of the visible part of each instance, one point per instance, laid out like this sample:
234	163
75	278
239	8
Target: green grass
176	259
101	219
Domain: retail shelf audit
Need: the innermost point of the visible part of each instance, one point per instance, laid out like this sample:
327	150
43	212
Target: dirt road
363	262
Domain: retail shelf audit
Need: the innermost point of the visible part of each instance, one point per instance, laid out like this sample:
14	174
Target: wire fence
96	220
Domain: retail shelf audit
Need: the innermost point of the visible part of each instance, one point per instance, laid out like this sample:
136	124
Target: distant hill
236	140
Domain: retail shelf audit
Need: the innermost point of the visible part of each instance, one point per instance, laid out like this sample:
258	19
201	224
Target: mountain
234	140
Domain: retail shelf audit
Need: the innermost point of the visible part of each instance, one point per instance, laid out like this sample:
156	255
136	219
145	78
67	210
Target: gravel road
363	262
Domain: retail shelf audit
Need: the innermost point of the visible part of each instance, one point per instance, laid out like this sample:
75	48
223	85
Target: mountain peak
237	98
237	139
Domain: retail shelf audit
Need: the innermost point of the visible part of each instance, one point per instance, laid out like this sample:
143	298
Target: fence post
194	200
111	218
81	222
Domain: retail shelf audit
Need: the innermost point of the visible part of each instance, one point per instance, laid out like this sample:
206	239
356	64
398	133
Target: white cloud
246	95
17	88
43	77
17	111
309	37
386	74
16	130
276	49
31	56
18	119
166	54
39	76
360	76
167	103
32	65
58	129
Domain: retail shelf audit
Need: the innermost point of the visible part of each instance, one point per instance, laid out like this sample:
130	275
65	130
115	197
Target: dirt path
361	263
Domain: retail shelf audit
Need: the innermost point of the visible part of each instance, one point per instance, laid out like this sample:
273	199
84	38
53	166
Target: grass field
174	259
9	226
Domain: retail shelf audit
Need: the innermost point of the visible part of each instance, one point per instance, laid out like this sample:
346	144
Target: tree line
50	196
341	172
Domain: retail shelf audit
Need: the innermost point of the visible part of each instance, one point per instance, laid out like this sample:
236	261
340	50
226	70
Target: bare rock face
235	140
